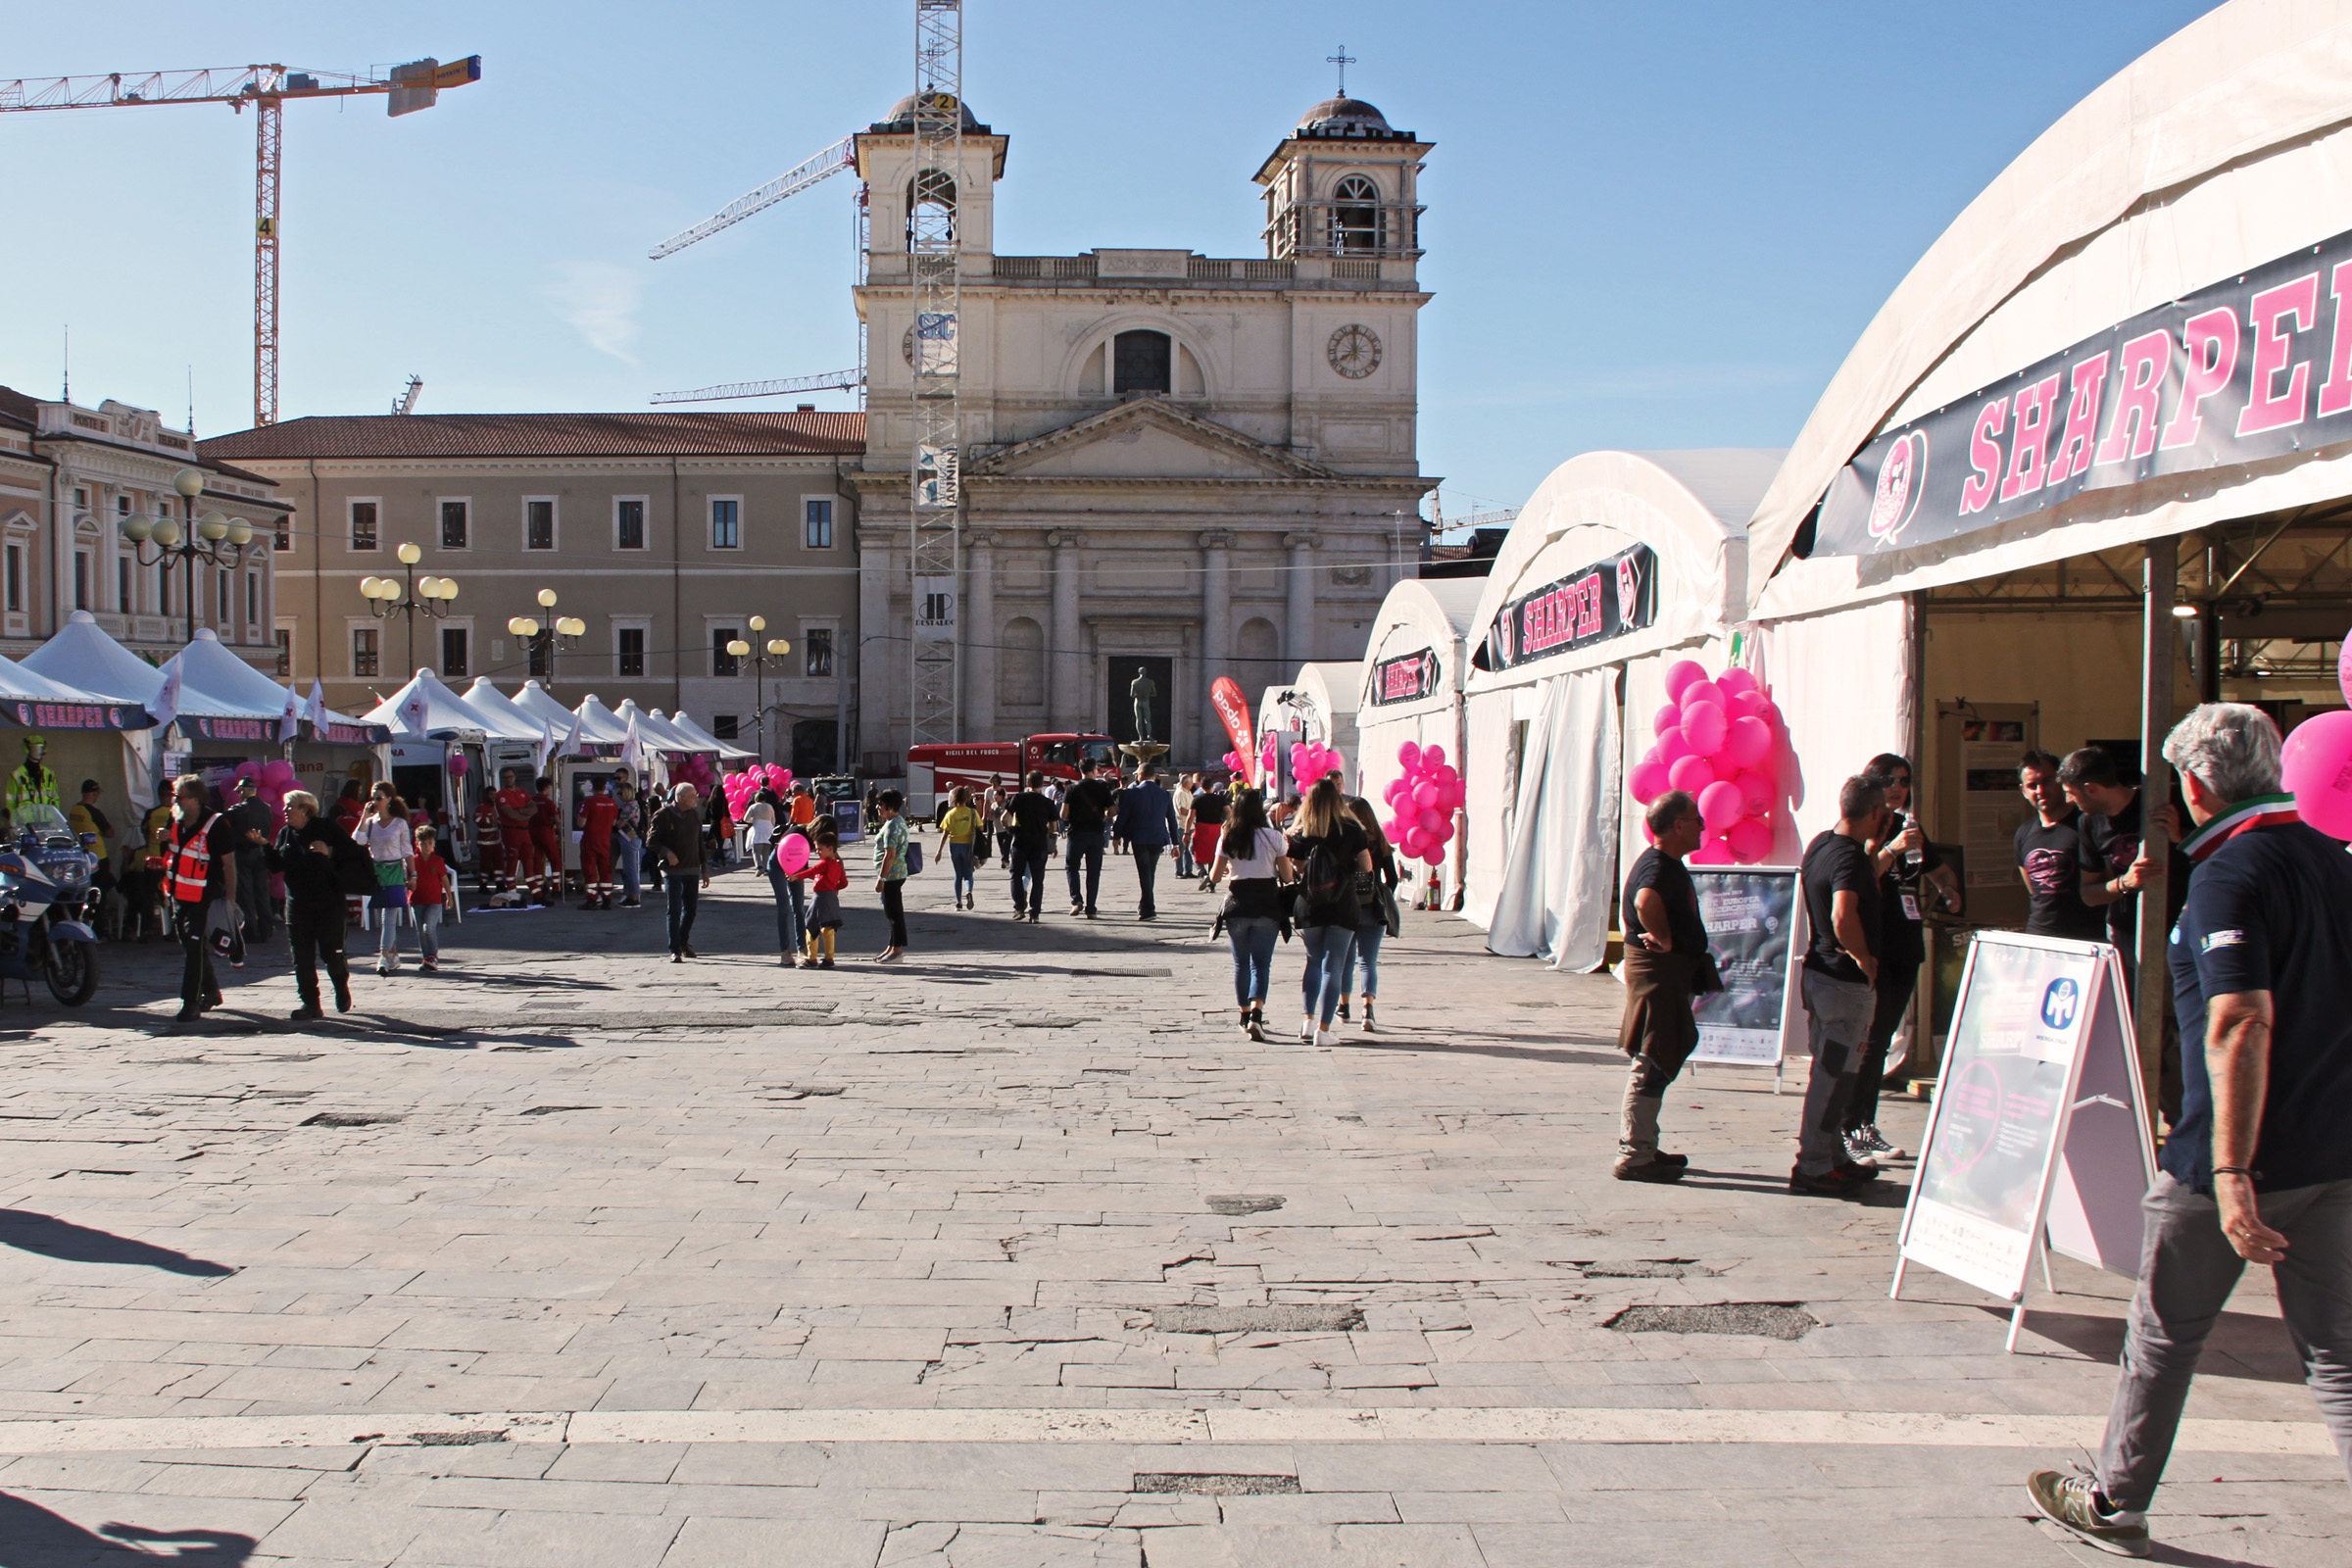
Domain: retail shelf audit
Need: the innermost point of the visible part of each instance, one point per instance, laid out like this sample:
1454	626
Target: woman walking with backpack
1374	925
1250	853
1329	849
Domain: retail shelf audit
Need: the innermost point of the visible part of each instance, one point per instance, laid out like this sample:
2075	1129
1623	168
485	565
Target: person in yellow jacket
35	781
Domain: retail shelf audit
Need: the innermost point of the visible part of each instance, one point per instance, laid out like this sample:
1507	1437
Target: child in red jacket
428	891
830	877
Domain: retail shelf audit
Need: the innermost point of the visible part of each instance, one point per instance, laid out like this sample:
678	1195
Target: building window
1355	214
363	650
81	497
538	525
162	587
253	599
16	576
723	665
453	651
821	523
82	579
122	584
283	542
726	522
628	648
628	524
722	727
122	507
285	652
1141	362
817	643
222	605
363	526
455	517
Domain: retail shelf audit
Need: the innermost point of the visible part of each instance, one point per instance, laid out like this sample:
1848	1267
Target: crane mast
934	240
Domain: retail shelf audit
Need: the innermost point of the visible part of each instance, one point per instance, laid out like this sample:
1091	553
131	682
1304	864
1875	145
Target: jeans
959	857
792	909
317	937
894	905
1028	877
1253	938
1088	848
387	933
685	892
1896	982
1147	870
629	854
1840	1024
2186	1271
428	933
1184	853
1366	965
1328	950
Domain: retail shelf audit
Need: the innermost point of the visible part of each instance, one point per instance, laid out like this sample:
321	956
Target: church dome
1343	116
900	119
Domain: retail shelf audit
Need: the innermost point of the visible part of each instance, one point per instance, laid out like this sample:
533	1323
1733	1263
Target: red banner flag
1234	710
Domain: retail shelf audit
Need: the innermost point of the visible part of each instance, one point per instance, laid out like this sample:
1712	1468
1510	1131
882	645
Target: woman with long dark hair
1250	853
1373	927
392	846
1334	862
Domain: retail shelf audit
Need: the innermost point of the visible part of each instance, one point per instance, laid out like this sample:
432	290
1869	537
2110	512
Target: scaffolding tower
935	238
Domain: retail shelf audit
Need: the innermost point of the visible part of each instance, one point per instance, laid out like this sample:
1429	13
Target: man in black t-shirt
2115	861
1665	947
2049	850
1029	834
1904	887
1086	811
1841	885
2258	1168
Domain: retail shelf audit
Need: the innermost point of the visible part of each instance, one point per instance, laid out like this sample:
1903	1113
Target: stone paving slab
574	1255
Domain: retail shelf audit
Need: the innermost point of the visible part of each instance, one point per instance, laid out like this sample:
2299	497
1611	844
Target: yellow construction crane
408	88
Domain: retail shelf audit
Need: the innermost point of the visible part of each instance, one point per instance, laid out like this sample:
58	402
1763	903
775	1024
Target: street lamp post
773	651
431	597
212	538
560	634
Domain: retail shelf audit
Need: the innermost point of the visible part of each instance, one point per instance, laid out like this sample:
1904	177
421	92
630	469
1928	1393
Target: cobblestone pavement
1017	1253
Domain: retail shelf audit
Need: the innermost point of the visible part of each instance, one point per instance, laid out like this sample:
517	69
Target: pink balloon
1719	804
792	853
1669	717
1691	773
1681	673
1444	775
1426	795
1701	691
1430	821
1755	790
1750	840
1704	727
1455	794
1736	680
1436	855
1648	781
1746	742
1714	851
1748	705
251	770
1433	757
1409	756
1416	844
1672	748
280	772
2316	767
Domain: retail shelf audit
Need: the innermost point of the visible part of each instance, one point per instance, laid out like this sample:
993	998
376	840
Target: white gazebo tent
1620	564
2189	204
232	712
532	700
1319	703
79	725
510	722
600	726
81	656
1411	685
727	750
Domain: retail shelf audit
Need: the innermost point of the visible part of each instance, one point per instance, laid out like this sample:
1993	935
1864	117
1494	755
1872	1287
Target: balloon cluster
1265	762
691	767
1720	740
742	786
1422	802
1237	764
1311	759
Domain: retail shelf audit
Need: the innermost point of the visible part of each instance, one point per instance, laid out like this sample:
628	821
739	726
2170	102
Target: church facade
1175	464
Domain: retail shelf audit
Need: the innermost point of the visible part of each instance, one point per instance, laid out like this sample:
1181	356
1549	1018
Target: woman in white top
384	829
1250	854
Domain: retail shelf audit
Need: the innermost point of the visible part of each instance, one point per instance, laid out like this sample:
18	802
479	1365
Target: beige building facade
71	477
665	534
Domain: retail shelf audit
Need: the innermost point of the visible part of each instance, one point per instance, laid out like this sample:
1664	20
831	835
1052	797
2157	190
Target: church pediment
1146	439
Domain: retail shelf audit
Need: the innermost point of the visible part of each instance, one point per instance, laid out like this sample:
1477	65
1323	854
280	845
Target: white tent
709	742
1318	704
672	738
510	722
599	724
1409	683
427	710
213	681
533	701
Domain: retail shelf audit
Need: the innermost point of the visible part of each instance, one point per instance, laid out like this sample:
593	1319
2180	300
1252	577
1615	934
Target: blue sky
1649	226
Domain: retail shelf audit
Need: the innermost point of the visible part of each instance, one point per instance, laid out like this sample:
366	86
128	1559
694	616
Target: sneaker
1830	1183
430	966
1858	1150
1342	1010
1875	1142
886	956
1657	1168
824	963
2073	1502
1078	909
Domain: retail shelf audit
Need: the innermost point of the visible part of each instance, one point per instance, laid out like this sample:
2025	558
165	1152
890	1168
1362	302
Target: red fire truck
934	770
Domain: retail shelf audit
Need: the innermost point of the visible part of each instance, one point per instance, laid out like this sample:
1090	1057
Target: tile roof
17	409
515	435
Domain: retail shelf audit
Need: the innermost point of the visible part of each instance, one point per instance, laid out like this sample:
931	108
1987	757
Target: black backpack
1326	881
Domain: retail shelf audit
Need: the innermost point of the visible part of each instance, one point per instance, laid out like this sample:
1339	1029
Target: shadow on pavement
50	1236
34	1538
2244	1345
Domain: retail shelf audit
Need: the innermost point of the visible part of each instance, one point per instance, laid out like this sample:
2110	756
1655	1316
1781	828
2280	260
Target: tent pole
2160	639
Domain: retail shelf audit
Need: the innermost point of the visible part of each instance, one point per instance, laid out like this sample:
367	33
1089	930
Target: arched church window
930	209
1355	214
1141	362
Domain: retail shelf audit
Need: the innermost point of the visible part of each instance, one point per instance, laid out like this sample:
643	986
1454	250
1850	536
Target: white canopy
533	701
426	709
2227	145
1690	508
24	697
216	684
512	723
81	654
709	742
656	731
599	724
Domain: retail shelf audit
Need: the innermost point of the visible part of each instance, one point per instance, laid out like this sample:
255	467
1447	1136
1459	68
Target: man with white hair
2257	1168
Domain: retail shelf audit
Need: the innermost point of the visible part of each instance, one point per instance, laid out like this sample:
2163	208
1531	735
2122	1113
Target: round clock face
1354	351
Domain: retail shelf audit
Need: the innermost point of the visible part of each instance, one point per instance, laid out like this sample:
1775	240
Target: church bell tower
1341	186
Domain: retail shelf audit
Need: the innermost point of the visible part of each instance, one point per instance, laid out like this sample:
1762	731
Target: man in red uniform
516	808
597	816
486	845
547	842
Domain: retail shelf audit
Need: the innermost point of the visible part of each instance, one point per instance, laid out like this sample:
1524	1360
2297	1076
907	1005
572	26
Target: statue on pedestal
1142	690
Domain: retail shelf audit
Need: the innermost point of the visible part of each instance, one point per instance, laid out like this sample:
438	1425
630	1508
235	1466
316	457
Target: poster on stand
2039	1135
1752	915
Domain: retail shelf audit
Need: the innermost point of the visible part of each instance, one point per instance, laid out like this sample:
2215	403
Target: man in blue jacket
1148	822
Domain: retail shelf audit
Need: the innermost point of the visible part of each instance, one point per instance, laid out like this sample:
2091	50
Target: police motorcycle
47	898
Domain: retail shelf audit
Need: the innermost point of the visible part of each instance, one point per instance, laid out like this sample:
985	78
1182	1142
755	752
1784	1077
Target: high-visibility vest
192	863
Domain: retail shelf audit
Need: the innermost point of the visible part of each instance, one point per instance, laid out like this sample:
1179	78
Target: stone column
1216	640
1299	609
879	655
980	633
1067	698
